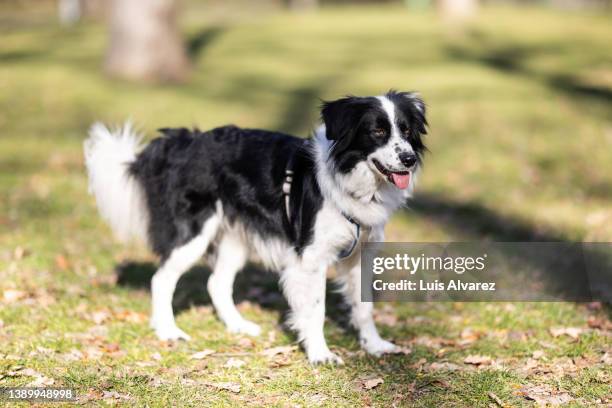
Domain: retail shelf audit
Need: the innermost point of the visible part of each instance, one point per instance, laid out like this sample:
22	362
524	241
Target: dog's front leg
349	276
304	288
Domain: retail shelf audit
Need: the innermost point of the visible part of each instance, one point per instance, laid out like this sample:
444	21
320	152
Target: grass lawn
521	149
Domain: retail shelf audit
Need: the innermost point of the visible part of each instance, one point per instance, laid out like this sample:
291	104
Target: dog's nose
408	159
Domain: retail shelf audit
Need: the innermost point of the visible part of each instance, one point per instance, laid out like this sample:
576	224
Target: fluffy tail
119	196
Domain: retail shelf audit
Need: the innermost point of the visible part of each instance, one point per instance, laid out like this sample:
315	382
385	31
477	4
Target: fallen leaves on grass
234	363
469	336
537	354
478	360
370	383
245	342
432	342
385	316
599	323
100	316
573	332
496	399
13	295
281	360
39	379
544	395
202	354
271	352
62	262
226	386
131	316
104	315
443	366
114	395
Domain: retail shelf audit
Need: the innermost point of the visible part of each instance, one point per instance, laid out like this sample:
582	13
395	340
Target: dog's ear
342	118
413	107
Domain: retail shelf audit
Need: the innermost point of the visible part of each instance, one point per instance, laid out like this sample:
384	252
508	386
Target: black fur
185	172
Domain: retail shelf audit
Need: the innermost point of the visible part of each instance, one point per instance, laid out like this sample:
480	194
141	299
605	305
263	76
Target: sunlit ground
520	139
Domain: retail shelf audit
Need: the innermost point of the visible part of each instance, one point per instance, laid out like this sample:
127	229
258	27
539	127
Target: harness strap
346	252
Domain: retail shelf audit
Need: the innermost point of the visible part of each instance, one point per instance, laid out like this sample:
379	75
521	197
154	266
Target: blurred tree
302	5
71	11
457	10
145	43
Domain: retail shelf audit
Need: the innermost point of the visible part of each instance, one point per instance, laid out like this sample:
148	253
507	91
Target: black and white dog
298	206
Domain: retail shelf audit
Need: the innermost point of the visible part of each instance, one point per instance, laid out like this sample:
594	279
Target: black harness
346	252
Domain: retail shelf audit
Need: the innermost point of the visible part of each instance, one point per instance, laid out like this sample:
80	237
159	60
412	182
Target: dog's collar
344	253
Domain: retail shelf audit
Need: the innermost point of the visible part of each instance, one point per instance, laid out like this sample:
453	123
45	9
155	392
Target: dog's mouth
401	179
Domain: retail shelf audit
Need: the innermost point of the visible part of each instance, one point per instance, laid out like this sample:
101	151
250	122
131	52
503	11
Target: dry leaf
13	295
372	383
271	352
93	353
20	253
202	354
281	361
234	363
468	336
478	360
131	316
100	316
62	262
385	316
432	342
545	395
156	356
538	354
41	381
227	386
573	332
115	395
73	355
246	342
445	366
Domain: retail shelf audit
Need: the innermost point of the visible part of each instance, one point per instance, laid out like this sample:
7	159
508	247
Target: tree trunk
457	10
145	43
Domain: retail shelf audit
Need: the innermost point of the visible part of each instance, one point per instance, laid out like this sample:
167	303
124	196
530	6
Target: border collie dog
296	205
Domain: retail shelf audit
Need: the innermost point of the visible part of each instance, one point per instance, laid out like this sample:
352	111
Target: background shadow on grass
198	42
253	284
476	221
511	59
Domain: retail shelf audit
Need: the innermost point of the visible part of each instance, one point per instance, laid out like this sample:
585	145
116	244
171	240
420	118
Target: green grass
521	140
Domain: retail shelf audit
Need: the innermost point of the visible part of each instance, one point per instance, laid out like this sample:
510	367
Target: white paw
244	327
378	346
324	357
170	332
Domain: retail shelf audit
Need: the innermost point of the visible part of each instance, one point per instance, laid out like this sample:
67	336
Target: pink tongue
401	181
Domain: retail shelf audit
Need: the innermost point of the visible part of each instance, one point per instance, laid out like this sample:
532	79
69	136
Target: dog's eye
378	132
406	132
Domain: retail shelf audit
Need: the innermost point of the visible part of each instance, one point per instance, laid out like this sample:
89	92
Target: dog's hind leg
165	279
232	255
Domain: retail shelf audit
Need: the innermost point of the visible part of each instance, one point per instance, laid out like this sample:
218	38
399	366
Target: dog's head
385	132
